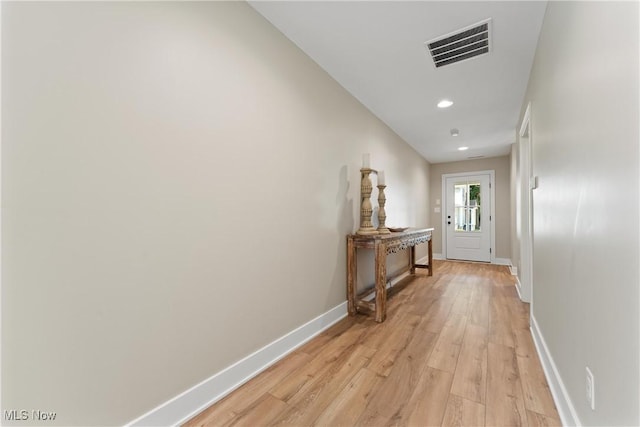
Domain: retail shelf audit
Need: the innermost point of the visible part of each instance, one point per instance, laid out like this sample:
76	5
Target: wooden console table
383	244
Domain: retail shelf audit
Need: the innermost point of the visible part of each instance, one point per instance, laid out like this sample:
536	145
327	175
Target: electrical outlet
591	389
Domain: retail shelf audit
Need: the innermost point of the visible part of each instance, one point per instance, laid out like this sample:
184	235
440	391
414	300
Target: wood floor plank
383	360
445	353
470	376
455	349
378	333
316	345
421	304
461	412
504	404
303	376
438	313
539	420
266	408
348	405
440	285
428	403
388	403
500	331
453	330
537	395
444	356
518	314
313	399
480	303
463	299
249	393
454	285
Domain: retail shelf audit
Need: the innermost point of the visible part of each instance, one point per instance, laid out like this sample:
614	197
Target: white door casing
525	214
468	231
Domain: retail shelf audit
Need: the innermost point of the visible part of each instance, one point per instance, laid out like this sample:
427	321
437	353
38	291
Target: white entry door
468	217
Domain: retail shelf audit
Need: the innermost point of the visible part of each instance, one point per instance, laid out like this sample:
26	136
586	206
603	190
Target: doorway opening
467	221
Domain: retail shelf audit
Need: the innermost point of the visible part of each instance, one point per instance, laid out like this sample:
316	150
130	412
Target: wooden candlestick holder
366	227
382	215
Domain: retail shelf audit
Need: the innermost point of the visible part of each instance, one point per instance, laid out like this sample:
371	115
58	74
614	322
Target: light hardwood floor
455	350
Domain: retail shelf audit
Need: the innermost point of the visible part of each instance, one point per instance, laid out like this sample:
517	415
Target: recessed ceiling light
455	132
445	103
463	148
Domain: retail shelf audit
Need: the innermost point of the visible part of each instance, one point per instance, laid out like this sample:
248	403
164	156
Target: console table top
407	233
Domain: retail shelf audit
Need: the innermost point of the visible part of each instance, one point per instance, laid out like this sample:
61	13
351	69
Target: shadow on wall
345	225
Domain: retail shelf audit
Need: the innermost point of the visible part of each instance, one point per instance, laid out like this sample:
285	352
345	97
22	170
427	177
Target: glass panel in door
467	206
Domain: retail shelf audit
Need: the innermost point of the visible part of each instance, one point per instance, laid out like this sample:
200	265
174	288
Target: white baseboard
514	270
497	261
566	410
193	401
519	288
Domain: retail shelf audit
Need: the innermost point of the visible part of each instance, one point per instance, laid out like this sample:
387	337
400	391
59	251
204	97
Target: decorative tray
398	229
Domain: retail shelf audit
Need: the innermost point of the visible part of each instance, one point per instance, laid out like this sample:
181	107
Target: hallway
455	350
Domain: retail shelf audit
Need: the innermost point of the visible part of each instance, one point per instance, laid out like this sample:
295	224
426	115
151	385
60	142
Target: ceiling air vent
460	45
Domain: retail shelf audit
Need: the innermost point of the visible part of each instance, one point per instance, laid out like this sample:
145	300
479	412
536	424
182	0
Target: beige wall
501	165
177	183
584	127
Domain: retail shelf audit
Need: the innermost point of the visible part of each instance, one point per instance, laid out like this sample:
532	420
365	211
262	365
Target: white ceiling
376	51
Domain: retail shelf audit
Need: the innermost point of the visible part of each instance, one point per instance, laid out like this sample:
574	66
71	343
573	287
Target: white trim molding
525	148
525	120
566	410
518	287
496	261
193	401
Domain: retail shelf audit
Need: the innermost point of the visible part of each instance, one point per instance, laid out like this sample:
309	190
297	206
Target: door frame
525	285
492	211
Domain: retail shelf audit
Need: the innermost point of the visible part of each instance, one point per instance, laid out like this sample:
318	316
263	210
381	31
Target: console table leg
351	277
381	279
412	259
430	249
